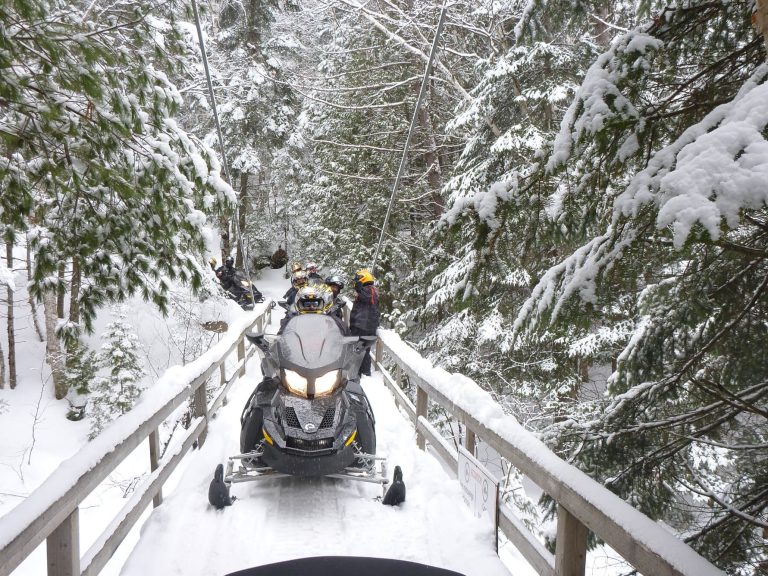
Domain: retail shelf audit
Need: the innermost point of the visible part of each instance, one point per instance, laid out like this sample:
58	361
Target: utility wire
240	242
404	159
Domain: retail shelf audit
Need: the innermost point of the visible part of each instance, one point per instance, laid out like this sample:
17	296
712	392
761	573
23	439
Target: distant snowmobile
239	290
309	416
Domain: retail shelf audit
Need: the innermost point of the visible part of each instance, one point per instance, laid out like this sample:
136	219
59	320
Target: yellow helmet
364	276
212	261
314	299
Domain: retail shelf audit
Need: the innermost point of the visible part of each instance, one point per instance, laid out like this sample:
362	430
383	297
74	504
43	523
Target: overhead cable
404	158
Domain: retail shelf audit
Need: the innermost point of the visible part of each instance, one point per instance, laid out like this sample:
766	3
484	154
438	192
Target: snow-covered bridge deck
284	518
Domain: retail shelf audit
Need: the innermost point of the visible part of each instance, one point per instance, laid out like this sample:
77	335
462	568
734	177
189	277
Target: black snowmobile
309	416
240	288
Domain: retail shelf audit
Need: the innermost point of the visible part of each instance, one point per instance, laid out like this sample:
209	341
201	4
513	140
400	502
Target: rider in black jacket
364	319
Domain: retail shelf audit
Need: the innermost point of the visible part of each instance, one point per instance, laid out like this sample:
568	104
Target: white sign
479	489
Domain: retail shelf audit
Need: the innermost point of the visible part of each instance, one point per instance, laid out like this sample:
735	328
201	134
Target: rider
226	273
364	318
312	299
298	280
312	275
336	284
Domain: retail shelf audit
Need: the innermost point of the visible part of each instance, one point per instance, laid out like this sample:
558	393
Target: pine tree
90	149
658	150
80	369
112	194
115	394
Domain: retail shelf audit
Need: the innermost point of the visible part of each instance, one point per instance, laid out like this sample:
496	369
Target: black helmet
335	280
229	261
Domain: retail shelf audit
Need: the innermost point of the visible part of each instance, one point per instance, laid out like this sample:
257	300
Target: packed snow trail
284	518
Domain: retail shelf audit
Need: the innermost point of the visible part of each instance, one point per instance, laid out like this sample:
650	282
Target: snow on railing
51	511
583	504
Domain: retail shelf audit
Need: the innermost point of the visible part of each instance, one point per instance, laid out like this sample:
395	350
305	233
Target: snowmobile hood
311	343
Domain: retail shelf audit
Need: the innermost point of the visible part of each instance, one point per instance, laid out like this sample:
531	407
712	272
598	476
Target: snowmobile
309	416
239	290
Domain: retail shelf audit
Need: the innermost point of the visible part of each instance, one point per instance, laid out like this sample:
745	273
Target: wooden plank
221	397
469	439
526	543
400	398
223	381
63	547
241	355
107	543
200	410
378	356
154	458
571	547
421	412
436	441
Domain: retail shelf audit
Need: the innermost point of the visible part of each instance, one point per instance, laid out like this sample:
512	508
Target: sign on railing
479	488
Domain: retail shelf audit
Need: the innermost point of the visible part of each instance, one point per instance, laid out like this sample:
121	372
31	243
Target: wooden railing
51	512
583	505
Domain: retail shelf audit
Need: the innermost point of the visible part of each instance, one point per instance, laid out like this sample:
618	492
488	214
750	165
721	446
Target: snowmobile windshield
311	344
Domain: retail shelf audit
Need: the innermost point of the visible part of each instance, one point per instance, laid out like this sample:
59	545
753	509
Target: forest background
582	227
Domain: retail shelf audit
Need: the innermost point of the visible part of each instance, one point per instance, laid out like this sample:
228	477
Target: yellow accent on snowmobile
351	438
267	437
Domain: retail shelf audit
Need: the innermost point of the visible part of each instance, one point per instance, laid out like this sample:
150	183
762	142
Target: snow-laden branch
712	172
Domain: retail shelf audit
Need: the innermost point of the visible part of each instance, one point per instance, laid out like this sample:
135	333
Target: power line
404	158
240	242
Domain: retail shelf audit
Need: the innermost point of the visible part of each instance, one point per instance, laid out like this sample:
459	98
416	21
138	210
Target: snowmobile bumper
308	458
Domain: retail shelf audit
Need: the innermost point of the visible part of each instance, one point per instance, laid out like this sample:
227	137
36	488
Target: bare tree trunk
760	20
241	210
226	242
32	303
74	292
431	159
11	335
53	352
2	367
60	293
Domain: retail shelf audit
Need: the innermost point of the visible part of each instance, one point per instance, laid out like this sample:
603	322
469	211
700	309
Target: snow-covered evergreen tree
116	393
112	194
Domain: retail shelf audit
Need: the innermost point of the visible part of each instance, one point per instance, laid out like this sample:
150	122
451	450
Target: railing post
241	355
379	354
469	440
200	409
63	546
154	458
421	410
223	381
571	544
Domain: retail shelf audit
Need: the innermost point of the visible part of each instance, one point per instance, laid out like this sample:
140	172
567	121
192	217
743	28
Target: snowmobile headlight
245	283
295	382
325	384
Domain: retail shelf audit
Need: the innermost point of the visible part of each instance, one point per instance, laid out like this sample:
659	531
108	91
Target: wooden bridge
51	513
